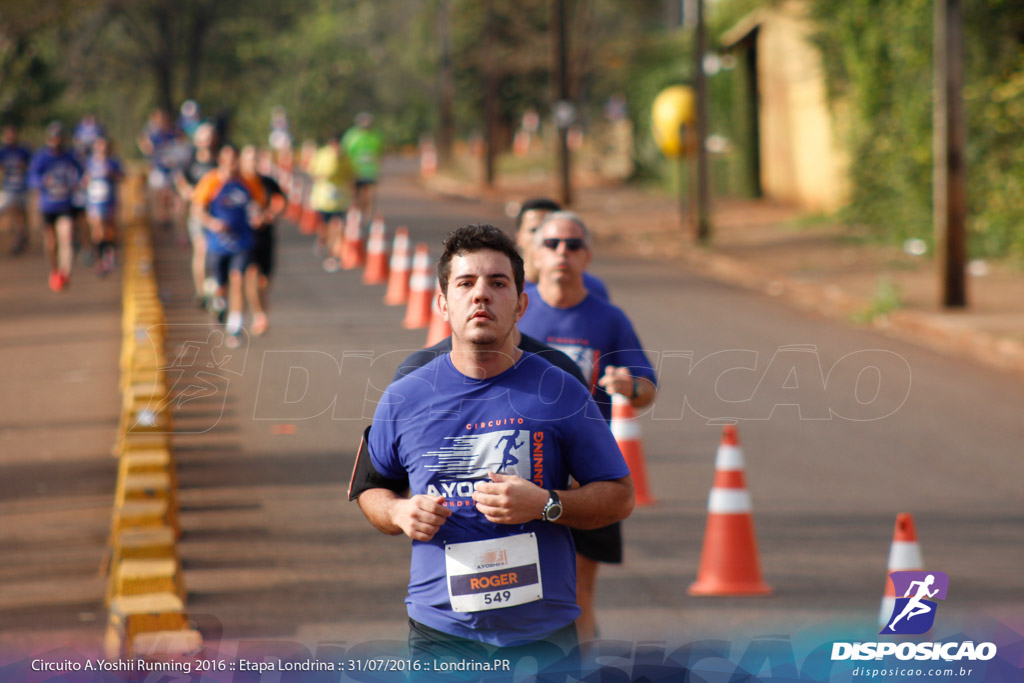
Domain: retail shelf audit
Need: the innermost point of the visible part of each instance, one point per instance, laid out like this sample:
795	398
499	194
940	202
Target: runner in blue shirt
14	162
55	173
102	176
225	202
600	338
159	143
86	133
492	561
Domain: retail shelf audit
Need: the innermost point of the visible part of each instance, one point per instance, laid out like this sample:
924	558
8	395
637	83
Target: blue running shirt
445	431
594	333
56	175
14	161
103	177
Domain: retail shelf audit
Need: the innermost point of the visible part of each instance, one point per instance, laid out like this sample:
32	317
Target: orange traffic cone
904	556
397	293
428	159
439	327
421	288
310	220
376	271
353	250
629	435
293	212
729	562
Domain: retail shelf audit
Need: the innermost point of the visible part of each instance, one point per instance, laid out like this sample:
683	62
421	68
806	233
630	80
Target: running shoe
56	282
331	265
19	246
103	266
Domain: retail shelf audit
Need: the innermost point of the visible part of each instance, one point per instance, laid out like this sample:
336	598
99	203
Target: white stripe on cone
729	458
905	556
626	429
729	501
423	283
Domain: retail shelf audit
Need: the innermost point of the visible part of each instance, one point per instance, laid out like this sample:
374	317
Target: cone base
645	501
715	588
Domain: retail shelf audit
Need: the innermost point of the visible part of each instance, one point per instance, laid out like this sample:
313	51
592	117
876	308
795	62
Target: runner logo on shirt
473	456
584	357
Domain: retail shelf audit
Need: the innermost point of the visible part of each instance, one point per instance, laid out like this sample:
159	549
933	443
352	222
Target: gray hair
569	216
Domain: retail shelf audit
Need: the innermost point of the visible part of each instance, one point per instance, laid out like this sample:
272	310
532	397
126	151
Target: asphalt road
842	429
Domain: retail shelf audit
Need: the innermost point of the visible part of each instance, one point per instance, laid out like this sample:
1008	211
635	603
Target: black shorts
328	216
50	218
600	545
365	182
219	266
263	249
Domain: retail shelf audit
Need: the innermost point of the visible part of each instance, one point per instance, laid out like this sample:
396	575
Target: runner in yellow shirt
332	175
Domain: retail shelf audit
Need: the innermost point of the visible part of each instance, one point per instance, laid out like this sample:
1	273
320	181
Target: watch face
554	512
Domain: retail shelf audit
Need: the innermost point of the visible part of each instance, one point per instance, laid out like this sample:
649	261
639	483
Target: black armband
365	476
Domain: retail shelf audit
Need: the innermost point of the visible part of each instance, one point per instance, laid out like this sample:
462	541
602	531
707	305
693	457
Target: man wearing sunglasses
531	214
564	314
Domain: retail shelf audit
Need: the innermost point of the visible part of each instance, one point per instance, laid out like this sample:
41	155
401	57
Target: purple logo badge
916	592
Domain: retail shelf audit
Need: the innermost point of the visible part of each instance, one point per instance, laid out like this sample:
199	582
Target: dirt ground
815	264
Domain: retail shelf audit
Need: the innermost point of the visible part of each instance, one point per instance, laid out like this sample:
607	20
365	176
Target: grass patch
886	300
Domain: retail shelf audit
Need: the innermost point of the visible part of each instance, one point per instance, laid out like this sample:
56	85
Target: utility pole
490	97
949	175
702	217
446	89
564	112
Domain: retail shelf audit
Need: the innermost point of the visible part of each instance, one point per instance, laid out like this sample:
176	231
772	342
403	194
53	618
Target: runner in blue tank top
56	174
103	174
14	162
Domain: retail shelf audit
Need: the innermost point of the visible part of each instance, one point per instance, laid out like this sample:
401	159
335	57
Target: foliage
878	62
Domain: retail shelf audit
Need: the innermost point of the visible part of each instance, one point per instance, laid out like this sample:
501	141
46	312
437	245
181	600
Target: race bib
57	186
99	190
494	573
14	176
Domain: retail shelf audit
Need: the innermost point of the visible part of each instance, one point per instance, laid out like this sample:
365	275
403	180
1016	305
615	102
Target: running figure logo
914	613
508	458
472	456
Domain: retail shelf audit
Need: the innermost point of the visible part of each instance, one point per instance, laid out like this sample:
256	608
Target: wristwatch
553	509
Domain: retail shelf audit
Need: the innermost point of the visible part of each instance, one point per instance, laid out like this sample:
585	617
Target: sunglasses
571	243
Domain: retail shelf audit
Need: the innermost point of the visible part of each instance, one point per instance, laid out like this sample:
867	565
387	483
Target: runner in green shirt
364	147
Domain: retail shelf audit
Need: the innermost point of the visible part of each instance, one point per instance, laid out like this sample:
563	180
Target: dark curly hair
473	238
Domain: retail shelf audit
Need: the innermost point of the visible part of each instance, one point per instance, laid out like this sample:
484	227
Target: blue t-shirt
163	142
445	431
231	205
103	176
57	175
595	334
14	161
